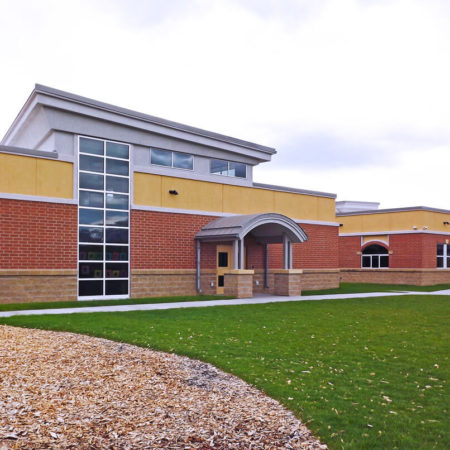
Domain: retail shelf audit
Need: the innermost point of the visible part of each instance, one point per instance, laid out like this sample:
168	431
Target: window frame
376	256
228	168
171	159
445	257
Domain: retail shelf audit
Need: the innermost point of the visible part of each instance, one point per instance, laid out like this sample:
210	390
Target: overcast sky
353	94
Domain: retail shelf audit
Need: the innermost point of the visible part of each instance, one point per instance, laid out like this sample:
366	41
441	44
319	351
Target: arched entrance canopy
265	228
268	228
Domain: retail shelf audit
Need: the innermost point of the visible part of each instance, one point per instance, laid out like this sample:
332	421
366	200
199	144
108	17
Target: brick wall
166	240
37	235
320	251
414	250
349	246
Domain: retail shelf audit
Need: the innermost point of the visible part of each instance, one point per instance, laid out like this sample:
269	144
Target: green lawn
344	288
363	373
357	288
133	301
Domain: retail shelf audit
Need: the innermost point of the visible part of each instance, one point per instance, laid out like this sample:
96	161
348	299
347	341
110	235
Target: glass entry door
224	264
103	219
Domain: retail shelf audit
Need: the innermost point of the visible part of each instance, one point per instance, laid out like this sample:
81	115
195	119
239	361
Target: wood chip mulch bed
61	390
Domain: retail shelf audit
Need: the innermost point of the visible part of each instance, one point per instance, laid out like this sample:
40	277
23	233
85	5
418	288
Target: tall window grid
103	218
443	256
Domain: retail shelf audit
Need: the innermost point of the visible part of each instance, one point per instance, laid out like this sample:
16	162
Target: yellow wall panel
192	194
147	189
17	174
27	175
395	221
153	190
244	200
54	178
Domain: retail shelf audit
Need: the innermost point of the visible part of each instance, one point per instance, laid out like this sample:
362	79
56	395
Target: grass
133	301
363	373
344	288
357	288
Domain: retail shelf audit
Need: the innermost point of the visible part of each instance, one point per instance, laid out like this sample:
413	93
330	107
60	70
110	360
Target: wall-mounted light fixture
173	192
341	224
415	227
425	227
446	223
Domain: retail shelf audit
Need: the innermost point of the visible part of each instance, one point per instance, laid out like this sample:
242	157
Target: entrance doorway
224	262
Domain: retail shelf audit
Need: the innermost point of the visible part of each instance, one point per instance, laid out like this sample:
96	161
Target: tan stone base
287	282
416	277
239	283
28	286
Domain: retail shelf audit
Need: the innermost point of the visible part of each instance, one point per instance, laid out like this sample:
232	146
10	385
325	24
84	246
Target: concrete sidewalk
207	303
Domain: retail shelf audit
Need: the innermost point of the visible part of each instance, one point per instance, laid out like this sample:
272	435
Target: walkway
204	304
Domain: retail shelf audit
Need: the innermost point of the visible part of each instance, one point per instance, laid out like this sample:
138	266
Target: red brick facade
407	251
37	235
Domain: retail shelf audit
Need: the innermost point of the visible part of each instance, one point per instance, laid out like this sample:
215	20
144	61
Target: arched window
375	257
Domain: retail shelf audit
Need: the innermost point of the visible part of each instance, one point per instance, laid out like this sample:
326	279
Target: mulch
62	390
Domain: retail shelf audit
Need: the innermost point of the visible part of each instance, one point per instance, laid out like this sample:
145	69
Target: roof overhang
265	228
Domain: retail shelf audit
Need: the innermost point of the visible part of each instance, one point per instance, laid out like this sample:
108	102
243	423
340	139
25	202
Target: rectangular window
183	161
161	157
168	158
443	256
103	217
228	168
222	259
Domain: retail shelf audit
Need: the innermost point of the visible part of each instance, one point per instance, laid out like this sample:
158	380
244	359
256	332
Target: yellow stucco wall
394	221
35	176
153	190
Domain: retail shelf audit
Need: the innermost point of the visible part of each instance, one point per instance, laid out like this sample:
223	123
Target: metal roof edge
39	88
389	210
273	187
28	152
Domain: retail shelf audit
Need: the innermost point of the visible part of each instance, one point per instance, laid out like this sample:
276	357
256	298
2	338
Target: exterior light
173	192
446	223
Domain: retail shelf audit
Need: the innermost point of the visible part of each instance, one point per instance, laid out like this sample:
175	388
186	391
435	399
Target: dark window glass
448	262
117	150
221	281
90	217
117	184
91	146
116	167
222	259
237	170
117	270
116	287
88	288
93	199
90	270
91	181
116	218
375	249
117	235
161	157
440	249
90	252
375	262
440	261
116	201
366	261
91	163
116	253
219	167
90	234
183	161
384	261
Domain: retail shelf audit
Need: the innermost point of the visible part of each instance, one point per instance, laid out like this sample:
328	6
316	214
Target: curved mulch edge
73	391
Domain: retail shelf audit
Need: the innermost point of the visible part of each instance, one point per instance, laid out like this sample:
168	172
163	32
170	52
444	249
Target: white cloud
344	89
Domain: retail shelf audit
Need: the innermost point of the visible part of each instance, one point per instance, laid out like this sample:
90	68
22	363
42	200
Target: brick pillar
239	283
288	281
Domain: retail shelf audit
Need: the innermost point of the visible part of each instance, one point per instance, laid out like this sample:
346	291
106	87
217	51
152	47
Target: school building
98	201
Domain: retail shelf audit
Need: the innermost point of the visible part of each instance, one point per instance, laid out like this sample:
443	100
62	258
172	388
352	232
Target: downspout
199	290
